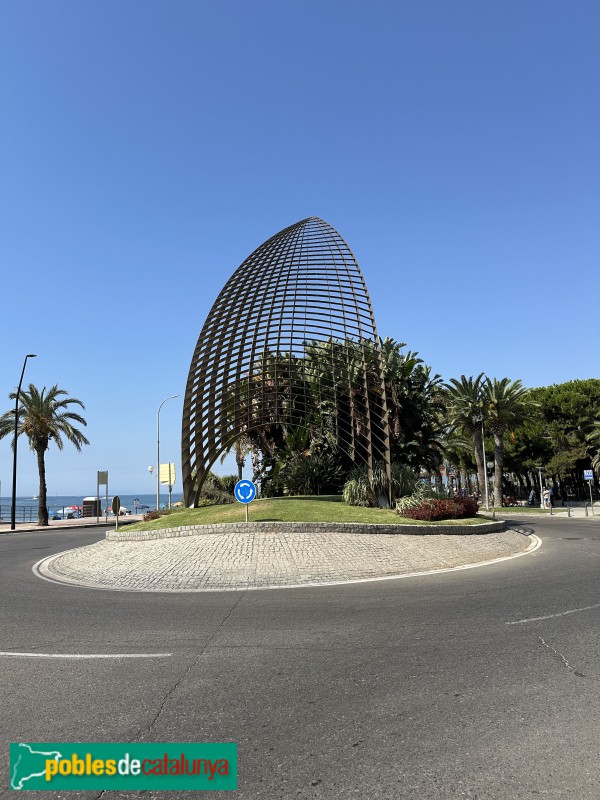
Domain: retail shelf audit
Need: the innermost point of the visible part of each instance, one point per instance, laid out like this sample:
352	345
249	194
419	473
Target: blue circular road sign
245	491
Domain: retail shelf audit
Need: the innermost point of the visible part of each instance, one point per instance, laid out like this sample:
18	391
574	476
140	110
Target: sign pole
116	507
97	498
245	492
591	498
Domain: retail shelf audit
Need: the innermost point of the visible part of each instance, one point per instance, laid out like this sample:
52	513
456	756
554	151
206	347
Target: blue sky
146	148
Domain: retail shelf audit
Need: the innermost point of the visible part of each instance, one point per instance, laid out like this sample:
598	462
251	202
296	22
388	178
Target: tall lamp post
540	470
172	397
13	507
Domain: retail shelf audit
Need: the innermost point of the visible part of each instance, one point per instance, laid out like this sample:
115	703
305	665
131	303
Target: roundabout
238	557
464	683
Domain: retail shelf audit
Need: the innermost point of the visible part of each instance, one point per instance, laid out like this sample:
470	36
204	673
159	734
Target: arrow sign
245	491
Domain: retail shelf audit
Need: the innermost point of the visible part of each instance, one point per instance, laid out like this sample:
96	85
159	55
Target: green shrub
315	473
421	492
360	491
427	504
212	490
228	482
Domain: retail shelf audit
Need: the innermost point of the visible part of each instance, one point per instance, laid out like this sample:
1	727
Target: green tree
593	442
241	448
507	405
415	403
563	421
44	417
466	411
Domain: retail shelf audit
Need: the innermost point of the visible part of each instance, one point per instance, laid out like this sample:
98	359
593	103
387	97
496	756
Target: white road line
552	616
84	655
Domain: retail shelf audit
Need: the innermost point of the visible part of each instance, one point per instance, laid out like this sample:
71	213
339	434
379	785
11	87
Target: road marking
84	655
552	616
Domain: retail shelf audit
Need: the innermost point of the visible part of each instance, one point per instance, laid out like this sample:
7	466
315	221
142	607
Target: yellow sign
167	474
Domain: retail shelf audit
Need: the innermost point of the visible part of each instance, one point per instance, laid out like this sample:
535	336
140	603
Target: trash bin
91	507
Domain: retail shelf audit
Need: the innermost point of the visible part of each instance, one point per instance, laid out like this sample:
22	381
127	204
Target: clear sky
146	148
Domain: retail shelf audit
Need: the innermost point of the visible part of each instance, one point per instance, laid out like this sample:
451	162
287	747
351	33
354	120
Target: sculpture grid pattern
290	340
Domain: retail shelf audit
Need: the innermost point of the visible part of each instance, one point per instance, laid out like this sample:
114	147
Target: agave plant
360	490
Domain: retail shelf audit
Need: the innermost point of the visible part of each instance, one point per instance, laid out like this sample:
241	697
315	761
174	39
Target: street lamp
13	507
172	397
540	470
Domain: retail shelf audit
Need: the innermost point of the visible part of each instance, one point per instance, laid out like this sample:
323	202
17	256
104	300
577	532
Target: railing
22	513
30	513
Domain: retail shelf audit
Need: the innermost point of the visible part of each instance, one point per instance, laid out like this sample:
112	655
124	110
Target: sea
26	508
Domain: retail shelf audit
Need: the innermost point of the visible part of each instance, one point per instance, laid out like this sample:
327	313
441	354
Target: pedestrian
546	498
532	497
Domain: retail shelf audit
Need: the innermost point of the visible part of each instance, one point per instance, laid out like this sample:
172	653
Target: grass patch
288	509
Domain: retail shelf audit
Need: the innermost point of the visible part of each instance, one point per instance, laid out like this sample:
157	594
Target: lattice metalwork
291	341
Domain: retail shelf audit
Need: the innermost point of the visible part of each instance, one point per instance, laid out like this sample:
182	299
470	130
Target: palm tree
241	448
507	405
466	412
593	440
43	417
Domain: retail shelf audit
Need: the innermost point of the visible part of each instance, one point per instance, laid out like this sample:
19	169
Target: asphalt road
430	687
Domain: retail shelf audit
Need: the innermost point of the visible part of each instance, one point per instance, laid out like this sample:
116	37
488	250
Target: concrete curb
307	527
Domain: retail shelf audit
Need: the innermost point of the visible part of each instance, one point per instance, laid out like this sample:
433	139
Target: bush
420	494
315	473
436	508
212	491
470	506
360	491
228	482
152	515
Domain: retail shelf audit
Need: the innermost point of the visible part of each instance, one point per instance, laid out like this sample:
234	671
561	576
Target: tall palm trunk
481	466
42	504
498	467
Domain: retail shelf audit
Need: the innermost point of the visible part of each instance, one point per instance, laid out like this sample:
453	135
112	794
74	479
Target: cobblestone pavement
258	559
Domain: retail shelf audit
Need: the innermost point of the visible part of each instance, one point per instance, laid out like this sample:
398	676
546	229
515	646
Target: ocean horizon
27	505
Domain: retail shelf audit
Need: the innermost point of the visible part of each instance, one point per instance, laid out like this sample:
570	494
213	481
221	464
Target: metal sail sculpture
290	340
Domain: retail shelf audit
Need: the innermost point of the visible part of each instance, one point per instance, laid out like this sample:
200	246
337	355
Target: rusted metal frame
218	325
265	267
348	259
210	367
304	247
285	247
258	267
326	238
364	364
278	348
385	418
232	293
309	282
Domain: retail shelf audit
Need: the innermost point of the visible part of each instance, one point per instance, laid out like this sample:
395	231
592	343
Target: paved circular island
263	556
